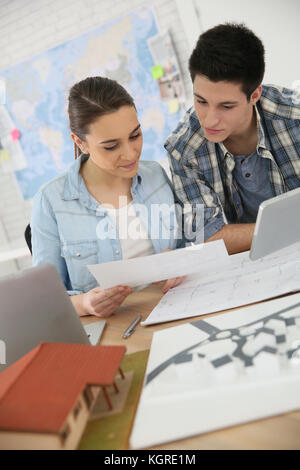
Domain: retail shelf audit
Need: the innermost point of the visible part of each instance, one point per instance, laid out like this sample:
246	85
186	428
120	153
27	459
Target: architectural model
260	348
226	369
46	396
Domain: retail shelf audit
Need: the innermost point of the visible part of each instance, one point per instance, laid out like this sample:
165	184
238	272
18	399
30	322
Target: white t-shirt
133	236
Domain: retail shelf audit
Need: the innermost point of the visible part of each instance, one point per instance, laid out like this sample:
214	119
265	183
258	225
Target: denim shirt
71	230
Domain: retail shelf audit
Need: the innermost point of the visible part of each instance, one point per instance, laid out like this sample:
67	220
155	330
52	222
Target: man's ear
256	95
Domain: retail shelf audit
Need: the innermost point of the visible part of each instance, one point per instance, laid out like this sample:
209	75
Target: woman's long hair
92	98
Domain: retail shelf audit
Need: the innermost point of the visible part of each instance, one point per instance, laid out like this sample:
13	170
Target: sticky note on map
15	134
4	155
157	72
173	106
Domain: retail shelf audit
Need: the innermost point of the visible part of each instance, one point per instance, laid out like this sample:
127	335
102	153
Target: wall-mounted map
37	91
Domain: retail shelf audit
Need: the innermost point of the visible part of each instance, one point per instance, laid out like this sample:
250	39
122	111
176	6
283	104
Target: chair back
27	235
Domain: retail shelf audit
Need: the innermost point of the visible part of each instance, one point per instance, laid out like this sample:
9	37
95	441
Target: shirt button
247	175
117	252
78	254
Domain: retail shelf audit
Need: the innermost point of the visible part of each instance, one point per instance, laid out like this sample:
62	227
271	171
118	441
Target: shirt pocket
78	255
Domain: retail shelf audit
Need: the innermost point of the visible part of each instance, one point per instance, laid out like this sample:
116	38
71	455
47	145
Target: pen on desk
131	327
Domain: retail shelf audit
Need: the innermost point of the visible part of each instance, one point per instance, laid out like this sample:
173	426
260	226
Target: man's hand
237	237
173	282
170	283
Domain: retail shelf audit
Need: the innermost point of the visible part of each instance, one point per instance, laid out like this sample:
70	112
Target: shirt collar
74	179
136	180
262	142
72	183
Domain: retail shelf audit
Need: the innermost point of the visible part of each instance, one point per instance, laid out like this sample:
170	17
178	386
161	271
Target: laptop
277	224
35	307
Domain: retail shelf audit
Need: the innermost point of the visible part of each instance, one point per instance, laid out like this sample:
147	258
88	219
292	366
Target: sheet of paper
173	106
94	331
221	371
167	70
2	91
241	282
146	269
13	158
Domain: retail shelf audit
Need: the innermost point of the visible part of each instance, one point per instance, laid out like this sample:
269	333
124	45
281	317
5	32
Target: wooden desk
279	432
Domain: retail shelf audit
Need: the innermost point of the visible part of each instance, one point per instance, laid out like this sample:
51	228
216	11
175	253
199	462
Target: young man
240	143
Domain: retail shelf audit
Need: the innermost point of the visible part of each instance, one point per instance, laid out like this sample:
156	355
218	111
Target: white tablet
277	224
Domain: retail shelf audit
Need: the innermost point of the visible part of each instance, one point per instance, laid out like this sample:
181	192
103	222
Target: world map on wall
37	91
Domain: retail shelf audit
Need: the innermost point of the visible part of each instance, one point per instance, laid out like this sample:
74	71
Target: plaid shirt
202	170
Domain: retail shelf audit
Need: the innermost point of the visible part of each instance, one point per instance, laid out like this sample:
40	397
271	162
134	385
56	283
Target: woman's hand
100	302
170	283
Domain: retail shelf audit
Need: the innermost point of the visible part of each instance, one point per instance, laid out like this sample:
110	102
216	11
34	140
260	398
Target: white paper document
94	331
146	269
240	282
221	371
15	159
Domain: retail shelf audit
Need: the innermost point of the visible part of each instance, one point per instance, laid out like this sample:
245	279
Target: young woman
109	205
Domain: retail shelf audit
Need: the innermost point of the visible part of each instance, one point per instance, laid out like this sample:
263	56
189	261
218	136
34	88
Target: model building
46	396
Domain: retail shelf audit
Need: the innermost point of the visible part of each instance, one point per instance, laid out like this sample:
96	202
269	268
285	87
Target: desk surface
279	432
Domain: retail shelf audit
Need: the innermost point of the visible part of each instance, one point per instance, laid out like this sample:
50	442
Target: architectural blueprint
232	285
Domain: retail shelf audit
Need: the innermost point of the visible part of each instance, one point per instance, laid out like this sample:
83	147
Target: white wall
275	22
28	27
190	17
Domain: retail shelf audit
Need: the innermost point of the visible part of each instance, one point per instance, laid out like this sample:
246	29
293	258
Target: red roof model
39	392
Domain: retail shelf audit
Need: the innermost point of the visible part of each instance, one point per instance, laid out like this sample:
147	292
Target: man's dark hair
229	52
